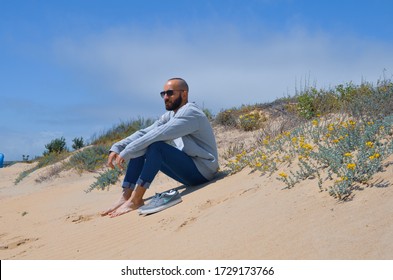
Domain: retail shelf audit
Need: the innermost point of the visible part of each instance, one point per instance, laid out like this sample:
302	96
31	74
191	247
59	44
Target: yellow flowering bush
338	151
353	153
250	121
351	166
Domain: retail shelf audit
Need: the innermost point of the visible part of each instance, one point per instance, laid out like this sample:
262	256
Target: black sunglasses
169	92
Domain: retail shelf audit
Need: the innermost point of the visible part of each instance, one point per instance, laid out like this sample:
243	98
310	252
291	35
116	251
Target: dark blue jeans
170	160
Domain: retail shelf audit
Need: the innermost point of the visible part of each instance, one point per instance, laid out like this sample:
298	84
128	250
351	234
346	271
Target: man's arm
182	124
118	147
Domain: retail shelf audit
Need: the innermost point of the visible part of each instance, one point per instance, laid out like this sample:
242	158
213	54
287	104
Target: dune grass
89	159
340	137
342	140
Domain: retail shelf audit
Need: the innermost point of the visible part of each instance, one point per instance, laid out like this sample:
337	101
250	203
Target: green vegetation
105	179
56	146
247	117
46	160
343	139
120	131
340	154
87	159
78	143
339	137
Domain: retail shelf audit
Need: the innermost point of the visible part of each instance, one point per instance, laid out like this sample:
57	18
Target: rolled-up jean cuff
128	185
142	183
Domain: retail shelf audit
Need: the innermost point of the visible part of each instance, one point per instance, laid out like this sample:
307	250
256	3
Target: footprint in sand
250	190
209	203
166	221
79	218
187	222
16	244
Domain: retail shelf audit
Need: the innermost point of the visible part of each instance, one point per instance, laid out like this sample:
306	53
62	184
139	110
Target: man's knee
156	146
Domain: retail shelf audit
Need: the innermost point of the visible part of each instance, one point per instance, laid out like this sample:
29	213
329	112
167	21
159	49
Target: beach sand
241	216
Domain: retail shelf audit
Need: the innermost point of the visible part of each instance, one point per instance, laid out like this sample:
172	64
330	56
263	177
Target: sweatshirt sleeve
183	123
118	147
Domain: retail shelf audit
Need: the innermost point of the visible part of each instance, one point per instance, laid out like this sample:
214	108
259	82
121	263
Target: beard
174	105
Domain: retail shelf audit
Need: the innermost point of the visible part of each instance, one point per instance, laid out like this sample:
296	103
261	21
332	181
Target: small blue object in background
1	160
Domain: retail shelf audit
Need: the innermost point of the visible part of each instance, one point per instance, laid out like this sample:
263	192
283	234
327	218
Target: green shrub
349	153
372	102
227	118
89	159
250	121
105	179
347	92
78	143
57	146
305	106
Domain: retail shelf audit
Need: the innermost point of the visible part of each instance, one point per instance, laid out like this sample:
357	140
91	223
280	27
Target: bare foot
127	206
125	196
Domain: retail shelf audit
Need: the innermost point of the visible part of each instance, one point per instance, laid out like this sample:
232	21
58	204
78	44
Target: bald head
178	83
180	96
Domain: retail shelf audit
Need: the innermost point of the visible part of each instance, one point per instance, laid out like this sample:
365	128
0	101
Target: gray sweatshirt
189	130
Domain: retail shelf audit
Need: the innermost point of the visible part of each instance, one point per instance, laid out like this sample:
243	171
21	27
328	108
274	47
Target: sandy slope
243	216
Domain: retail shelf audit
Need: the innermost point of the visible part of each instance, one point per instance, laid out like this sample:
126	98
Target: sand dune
243	216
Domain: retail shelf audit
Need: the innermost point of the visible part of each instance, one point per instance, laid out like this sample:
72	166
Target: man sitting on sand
181	144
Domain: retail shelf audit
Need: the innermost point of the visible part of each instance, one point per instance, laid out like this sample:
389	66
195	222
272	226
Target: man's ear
184	95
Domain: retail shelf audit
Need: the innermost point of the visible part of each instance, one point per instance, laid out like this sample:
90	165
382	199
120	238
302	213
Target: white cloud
223	70
122	71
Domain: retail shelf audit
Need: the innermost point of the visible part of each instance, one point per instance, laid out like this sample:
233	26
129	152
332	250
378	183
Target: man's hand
112	157
119	161
115	160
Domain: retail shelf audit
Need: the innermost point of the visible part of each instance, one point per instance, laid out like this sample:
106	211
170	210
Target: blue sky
76	68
